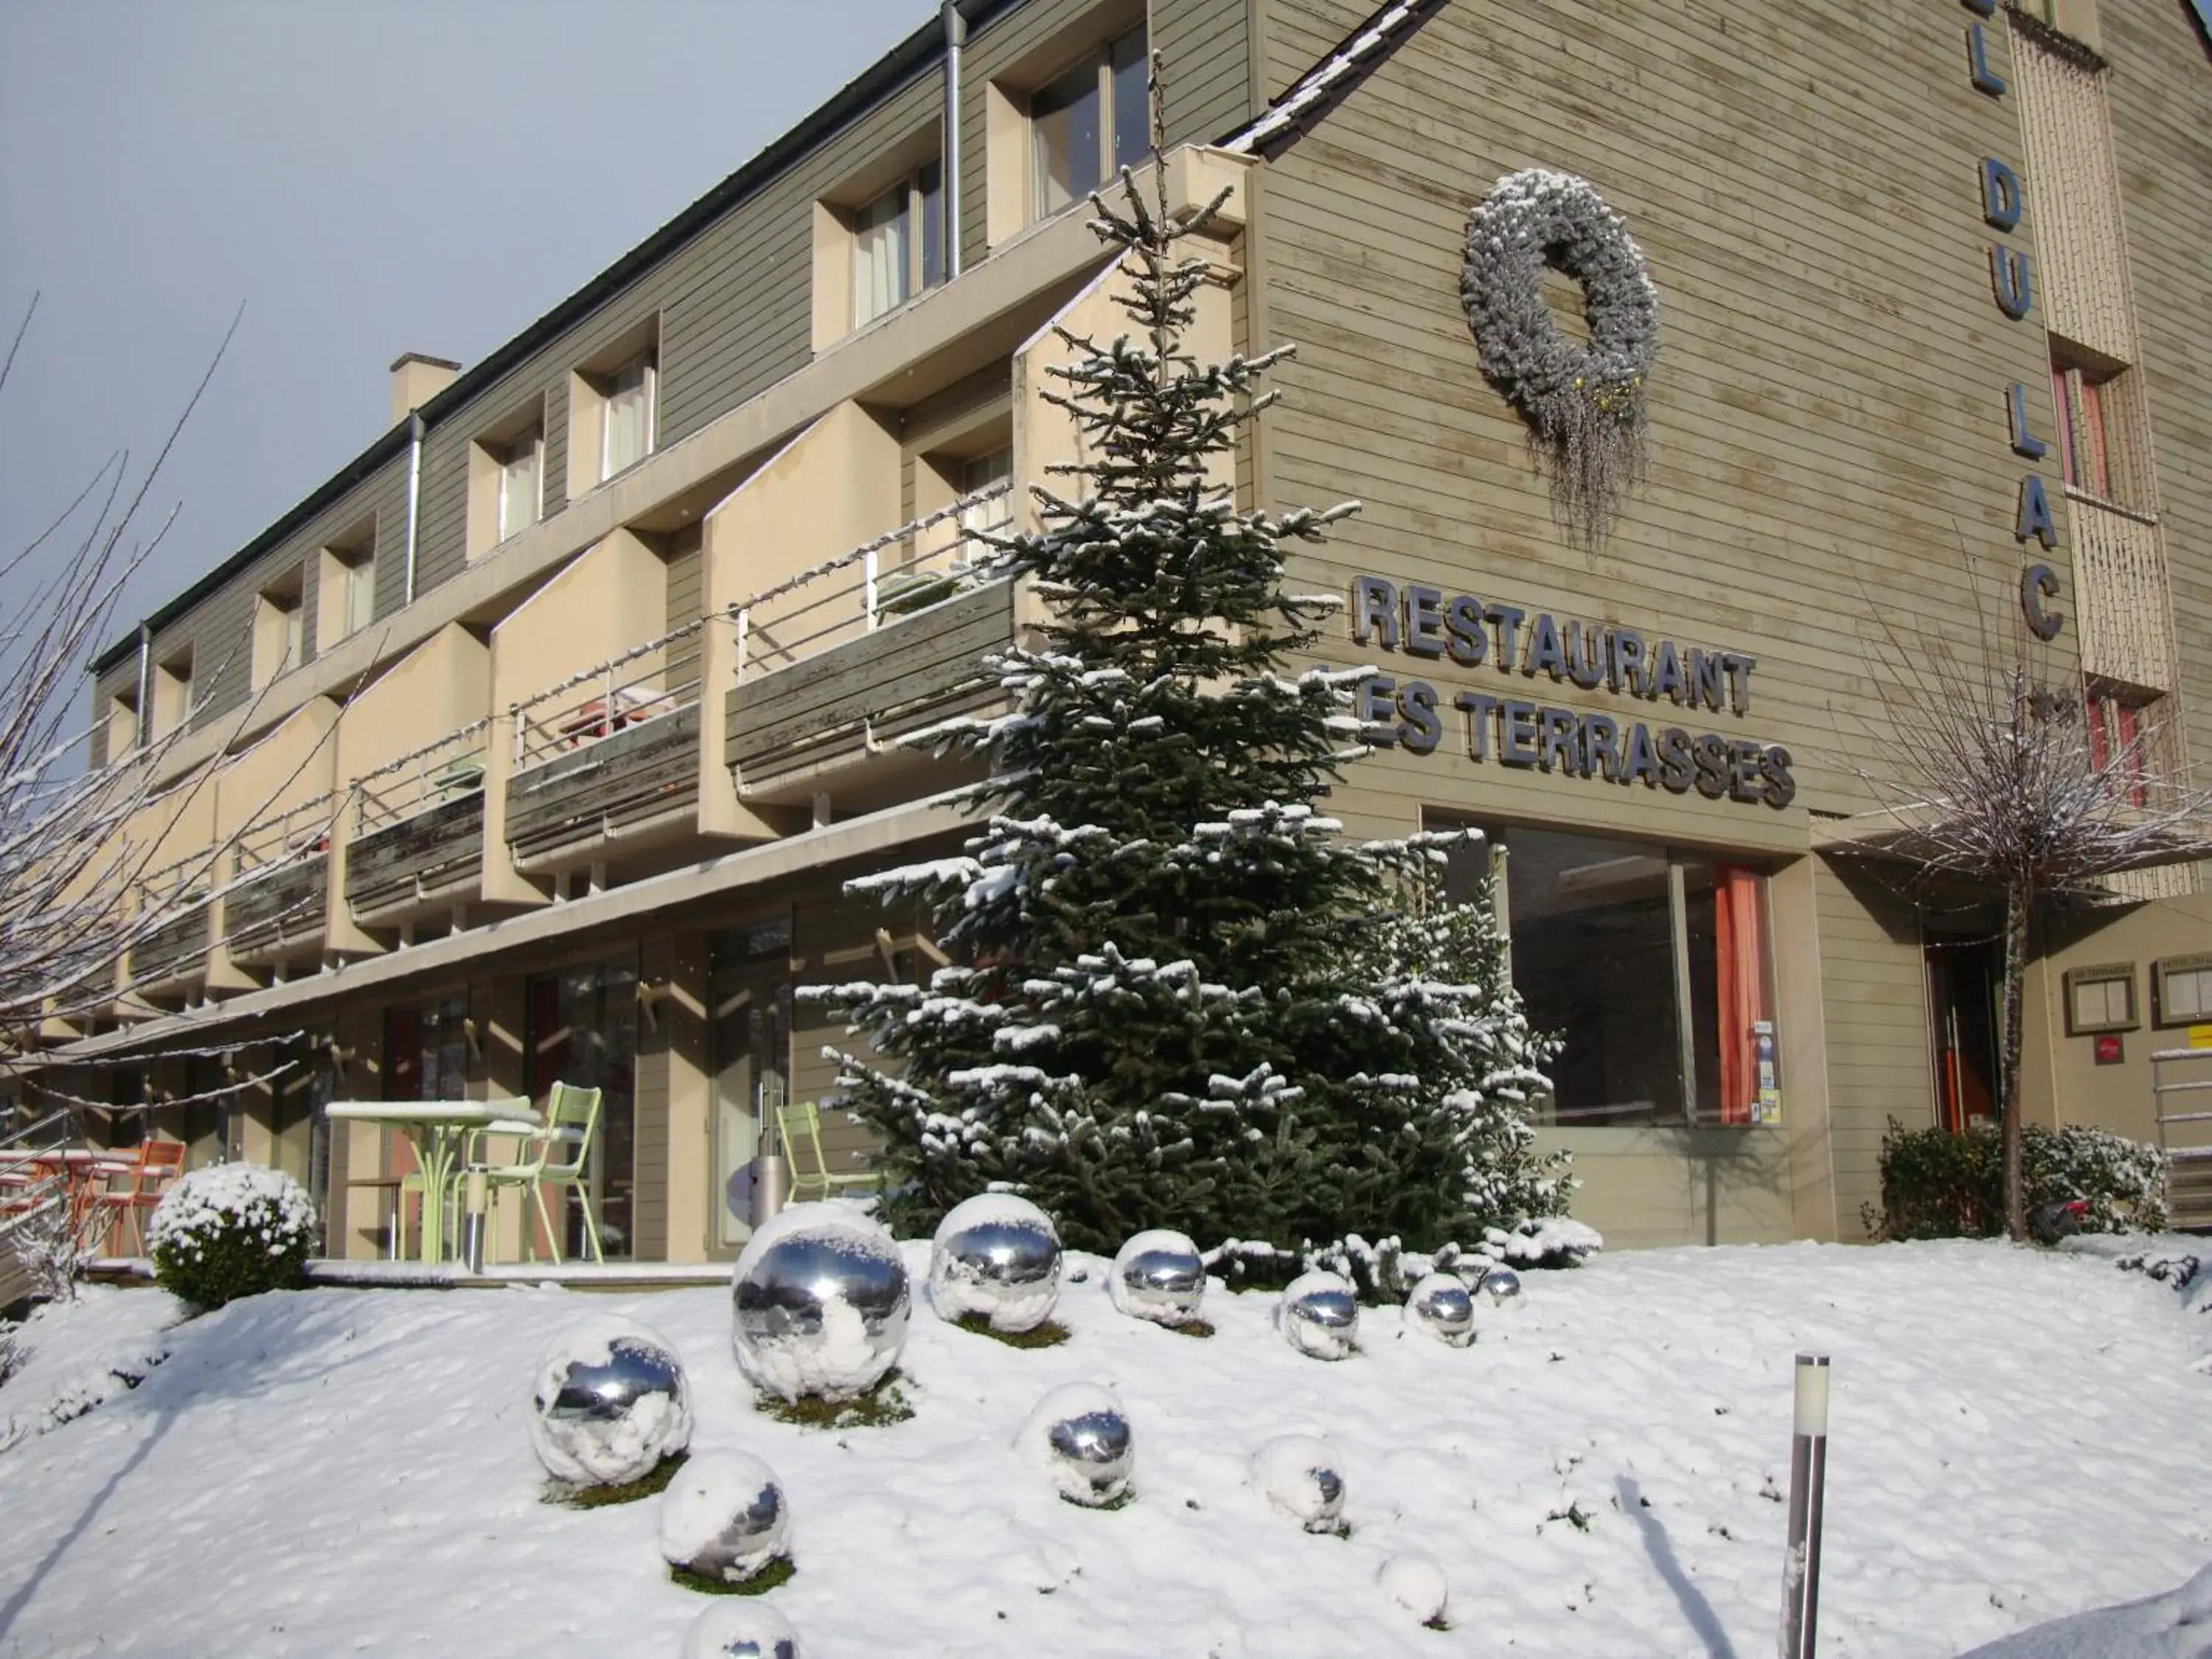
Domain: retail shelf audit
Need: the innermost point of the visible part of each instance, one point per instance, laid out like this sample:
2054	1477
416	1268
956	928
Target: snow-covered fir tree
1182	996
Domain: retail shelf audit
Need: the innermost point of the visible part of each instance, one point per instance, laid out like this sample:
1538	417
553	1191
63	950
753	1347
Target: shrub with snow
1937	1184
230	1230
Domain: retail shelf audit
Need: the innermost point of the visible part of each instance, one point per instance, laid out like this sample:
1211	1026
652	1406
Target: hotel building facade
543	734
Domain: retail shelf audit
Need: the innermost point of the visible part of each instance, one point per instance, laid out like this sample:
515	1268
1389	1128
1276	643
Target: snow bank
2018	1436
77	1355
2175	1625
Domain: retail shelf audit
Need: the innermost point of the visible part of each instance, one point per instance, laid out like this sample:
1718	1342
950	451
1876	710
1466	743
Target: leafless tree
79	882
1991	778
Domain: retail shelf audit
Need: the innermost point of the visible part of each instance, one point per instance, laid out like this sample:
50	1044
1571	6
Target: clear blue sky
363	179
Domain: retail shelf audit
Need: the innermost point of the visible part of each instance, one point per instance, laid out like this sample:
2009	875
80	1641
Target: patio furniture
147	1177
572	1122
436	1128
799	1127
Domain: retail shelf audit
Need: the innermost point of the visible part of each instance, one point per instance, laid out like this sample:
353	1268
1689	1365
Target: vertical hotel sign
2012	282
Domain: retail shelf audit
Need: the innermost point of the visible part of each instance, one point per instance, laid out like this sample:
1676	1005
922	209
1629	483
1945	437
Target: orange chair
126	1206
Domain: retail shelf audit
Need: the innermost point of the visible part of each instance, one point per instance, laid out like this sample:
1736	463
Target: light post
1809	1466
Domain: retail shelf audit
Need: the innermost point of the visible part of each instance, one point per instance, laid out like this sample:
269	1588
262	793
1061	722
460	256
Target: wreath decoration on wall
1583	403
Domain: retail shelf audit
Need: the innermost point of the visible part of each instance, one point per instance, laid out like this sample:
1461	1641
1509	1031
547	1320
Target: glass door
752	1050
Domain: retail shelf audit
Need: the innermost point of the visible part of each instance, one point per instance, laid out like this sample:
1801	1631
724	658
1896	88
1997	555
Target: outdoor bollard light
1808	1465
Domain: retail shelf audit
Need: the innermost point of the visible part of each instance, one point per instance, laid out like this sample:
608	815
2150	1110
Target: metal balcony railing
913	568
280	837
446	769
644	683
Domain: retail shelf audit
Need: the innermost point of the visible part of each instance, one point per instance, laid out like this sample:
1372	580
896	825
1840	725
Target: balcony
2122	593
418	848
607	764
837	663
169	960
274	917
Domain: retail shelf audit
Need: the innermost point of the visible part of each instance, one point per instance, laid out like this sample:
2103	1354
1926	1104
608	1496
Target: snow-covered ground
2018	1436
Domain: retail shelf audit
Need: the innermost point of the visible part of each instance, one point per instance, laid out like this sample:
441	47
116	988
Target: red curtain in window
1741	951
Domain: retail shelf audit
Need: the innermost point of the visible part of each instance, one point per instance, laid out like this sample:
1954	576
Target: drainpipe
414	494
956	34
145	711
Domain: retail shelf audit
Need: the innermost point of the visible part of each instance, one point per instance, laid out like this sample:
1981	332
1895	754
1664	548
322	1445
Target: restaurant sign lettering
1521	731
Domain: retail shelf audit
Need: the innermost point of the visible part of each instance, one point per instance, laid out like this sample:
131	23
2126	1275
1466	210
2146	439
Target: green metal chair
799	1127
572	1124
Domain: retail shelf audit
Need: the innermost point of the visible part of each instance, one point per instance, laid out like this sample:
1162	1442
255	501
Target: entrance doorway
752	1071
1966	978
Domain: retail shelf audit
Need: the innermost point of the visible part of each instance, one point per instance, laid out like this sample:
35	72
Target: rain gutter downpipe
414	429
144	722
956	35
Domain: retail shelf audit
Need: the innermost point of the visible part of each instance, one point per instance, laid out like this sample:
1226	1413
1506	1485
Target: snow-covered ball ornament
610	1402
1416	1582
1319	1315
1501	1289
1302	1476
723	1517
1078	1438
1441	1306
741	1629
996	1256
1160	1276
822	1301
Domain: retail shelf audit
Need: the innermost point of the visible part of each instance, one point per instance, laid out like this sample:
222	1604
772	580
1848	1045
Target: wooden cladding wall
2120	597
1827	432
2161	100
2074	189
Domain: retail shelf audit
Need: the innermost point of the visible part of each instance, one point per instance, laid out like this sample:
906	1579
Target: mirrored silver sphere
724	1517
741	1629
822	1301
1078	1438
1160	1276
1320	1316
997	1257
1442	1307
1302	1476
610	1403
1501	1288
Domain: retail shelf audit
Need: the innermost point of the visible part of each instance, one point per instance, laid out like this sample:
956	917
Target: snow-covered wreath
1584	404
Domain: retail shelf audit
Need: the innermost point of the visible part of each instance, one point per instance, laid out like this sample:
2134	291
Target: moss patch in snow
881	1407
1050	1334
564	1496
779	1571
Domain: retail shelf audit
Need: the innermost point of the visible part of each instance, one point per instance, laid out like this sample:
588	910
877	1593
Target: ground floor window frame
1693	931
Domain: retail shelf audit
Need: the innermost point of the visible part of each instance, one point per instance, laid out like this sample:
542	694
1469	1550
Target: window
996	515
522	483
1089	122
899	244
172	692
122	723
626	423
280	635
346	601
2097	419
2100	999
2120	739
1652	965
2181	989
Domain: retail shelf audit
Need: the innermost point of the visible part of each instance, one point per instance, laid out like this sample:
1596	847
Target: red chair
158	1160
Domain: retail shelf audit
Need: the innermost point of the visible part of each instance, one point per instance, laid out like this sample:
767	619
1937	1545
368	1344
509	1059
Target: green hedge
1936	1184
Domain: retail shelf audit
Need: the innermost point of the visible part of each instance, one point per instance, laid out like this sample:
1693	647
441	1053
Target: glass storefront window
1649	965
583	1030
